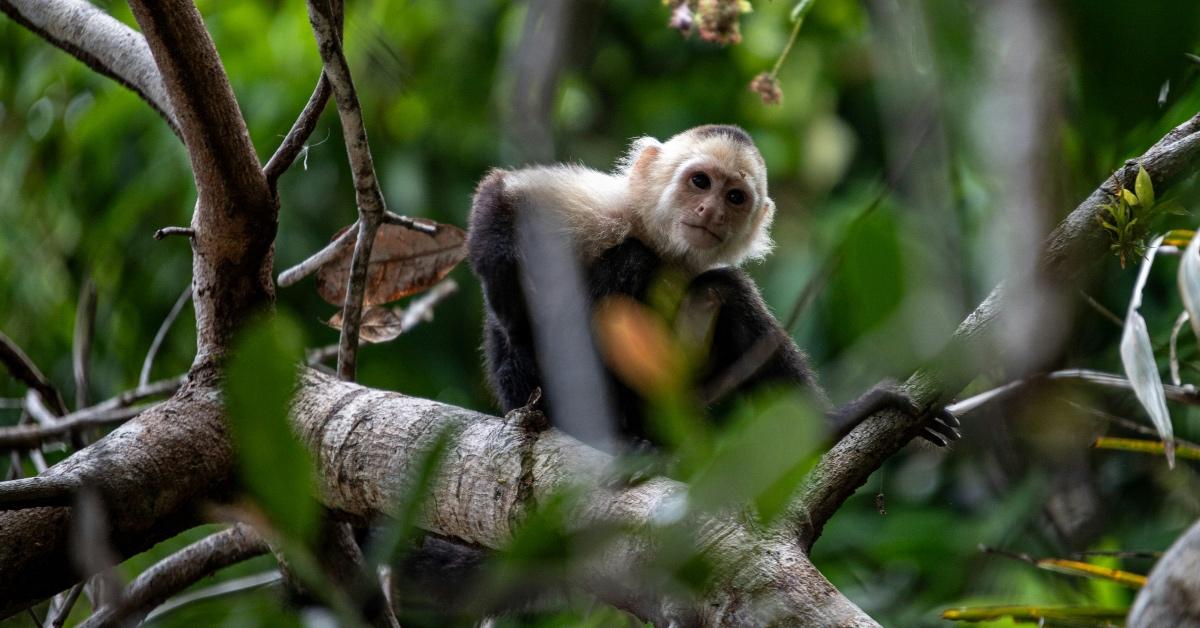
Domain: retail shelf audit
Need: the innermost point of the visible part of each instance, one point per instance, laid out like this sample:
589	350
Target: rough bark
153	474
368	442
236	214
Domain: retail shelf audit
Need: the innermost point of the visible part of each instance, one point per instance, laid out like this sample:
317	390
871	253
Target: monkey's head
701	196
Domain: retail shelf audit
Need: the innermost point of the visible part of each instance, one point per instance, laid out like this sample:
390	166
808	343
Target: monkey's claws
941	427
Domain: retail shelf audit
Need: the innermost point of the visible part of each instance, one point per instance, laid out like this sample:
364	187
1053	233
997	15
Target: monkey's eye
736	197
701	180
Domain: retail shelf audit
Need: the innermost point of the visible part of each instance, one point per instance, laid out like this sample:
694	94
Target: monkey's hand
941	426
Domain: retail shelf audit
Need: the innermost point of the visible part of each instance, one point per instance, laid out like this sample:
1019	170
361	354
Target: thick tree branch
100	41
236	213
152	478
1071	250
366	443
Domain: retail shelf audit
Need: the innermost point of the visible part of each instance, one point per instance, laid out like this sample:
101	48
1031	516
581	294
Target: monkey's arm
494	255
627	269
750	349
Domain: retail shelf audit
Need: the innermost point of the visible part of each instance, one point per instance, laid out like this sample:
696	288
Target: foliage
87	172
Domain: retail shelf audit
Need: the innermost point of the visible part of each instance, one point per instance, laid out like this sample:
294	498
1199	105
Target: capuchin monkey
697	205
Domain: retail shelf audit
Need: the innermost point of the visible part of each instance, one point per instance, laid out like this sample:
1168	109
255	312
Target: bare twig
59	617
148	363
109	411
318	259
25	371
1132	426
294	142
369	197
81	346
174	231
27	437
178	571
1186	394
1103	311
423	226
37	491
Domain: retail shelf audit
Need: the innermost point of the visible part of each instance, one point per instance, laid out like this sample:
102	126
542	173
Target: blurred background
929	146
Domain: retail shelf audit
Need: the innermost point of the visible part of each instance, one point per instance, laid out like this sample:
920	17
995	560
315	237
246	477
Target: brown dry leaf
379	324
637	345
403	262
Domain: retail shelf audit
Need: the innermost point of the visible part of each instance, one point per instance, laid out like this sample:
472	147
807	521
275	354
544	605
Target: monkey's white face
713	205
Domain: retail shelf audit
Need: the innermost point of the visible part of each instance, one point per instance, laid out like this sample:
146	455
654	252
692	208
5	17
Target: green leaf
418	488
274	467
762	457
1144	188
1129	198
1137	356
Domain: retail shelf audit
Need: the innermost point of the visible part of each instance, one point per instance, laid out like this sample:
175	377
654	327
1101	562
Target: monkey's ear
760	238
642	151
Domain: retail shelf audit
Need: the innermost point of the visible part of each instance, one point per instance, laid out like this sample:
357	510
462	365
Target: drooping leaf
762	457
273	465
1144	188
403	262
379	324
1137	356
1140	366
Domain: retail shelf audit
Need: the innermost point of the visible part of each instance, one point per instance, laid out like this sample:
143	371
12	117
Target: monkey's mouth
700	235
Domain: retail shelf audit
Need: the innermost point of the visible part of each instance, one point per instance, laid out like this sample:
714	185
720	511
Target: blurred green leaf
274	467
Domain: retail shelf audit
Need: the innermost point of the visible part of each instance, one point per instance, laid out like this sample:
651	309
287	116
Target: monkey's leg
941	426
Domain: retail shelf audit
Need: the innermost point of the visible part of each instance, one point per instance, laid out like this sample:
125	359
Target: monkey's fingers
941	428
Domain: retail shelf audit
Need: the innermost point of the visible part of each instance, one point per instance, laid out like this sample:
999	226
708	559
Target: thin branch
1130	425
1103	311
27	437
101	42
114	410
369	197
178	571
148	363
318	259
59	617
1186	394
418	311
174	231
81	345
25	371
423	226
294	142
38	491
